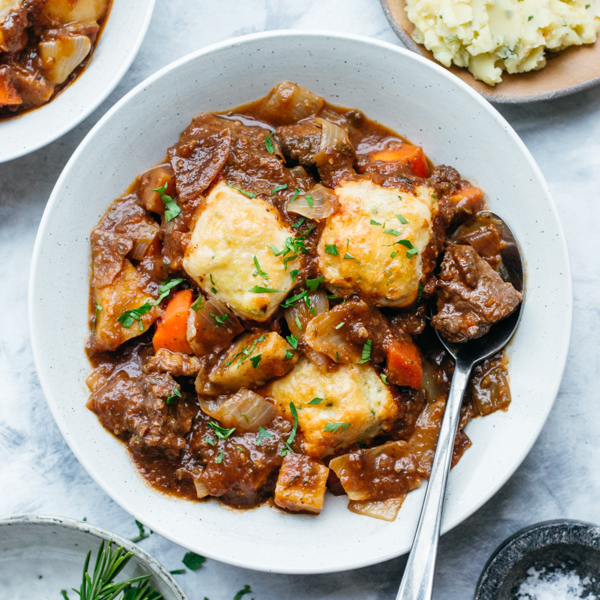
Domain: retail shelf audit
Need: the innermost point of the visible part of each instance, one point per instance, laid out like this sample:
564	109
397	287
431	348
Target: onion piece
430	384
288	103
245	410
145	235
212	327
61	56
386	510
201	489
318	203
302	314
325	334
332	134
299	172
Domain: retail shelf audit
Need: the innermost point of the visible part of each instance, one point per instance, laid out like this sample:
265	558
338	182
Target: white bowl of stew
55	100
397	89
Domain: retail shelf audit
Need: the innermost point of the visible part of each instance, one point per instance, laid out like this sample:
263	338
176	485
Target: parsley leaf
129	317
313	284
402	219
331	249
292	340
263	434
366	352
98	309
384	378
175	393
348	255
288	443
294	274
376	223
172	208
392	231
269	143
335	427
220	457
340	325
199	304
259	271
221	432
310	200
420	293
296	194
394	254
287	259
298	323
242	592
316	400
220	320
257	289
299	223
193	561
279	188
288	355
255	360
247	194
209	441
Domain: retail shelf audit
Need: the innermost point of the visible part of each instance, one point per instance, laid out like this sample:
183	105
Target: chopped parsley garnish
411	249
279	188
313	284
287	259
384	378
402	220
213	289
294	274
335	427
220	457
221	432
269	143
348	255
287	445
331	249
259	271
246	590
292	340
209	441
244	353
291	245
420	293
530	17
434	196
296	194
316	400
298	323
193	561
247	194
98	309
366	352
376	223
310	200
199	304
175	393
128	318
172	208
257	289
410	253
337	357
255	360
263	434
293	299
392	232
220	320
394	253
288	355
299	223
340	325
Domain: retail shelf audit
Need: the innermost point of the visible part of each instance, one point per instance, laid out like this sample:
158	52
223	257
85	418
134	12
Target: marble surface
560	477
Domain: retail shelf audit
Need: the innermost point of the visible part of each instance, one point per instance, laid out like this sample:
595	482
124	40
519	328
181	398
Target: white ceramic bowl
406	92
117	47
40	556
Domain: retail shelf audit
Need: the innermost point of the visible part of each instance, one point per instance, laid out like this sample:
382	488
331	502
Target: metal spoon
417	581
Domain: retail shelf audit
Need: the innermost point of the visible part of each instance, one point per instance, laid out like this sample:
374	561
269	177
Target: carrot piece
172	328
469	199
407	153
8	94
404	363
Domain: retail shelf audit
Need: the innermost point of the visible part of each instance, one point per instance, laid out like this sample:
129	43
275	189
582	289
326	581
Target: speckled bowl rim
409	43
254	562
518	546
145	559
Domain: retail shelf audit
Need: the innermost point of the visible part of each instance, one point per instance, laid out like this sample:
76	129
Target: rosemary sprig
102	586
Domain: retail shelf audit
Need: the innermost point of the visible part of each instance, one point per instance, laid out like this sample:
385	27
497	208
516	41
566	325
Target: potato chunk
125	293
335	409
301	484
252	360
380	235
83	11
237	248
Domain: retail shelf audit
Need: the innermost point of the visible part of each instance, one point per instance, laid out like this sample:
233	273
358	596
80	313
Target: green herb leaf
219	459
165	289
199	304
209	441
348	255
420	293
259	271
294	274
193	561
384	378
331	249
269	143
220	320
410	253
172	208
221	432
177	571
530	17
340	325
298	323
296	194
129	317
299	223
247	194
392	231
337	357
142	535
402	220
375	223
287	259
263	434
366	352
98	309
257	289
246	590
394	254
313	284
255	360
288	355
292	340
316	400
174	394
288	443
310	200
335	427
279	188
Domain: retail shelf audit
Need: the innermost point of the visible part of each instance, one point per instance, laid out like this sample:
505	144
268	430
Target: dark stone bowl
554	545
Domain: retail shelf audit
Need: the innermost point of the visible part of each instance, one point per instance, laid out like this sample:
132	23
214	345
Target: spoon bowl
417	581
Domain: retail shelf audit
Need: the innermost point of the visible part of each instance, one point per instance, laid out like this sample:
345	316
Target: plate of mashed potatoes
510	51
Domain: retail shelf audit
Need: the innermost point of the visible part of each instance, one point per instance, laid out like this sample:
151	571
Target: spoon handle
417	581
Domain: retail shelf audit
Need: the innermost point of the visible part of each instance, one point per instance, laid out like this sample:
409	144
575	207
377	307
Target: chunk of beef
335	164
174	363
143	411
109	250
471	295
12	28
299	142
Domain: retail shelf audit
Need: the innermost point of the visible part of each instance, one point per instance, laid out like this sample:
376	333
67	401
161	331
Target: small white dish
40	556
118	45
399	89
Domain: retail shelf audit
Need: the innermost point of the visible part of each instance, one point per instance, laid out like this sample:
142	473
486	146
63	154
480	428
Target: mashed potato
489	36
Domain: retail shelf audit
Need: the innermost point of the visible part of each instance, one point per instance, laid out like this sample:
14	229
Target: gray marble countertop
559	478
